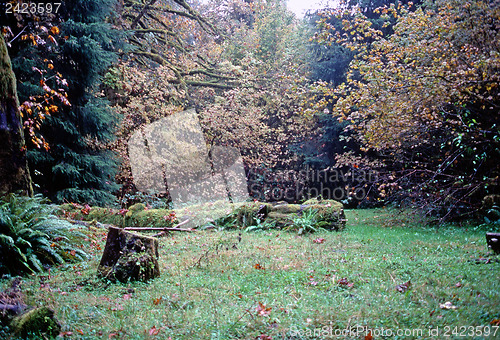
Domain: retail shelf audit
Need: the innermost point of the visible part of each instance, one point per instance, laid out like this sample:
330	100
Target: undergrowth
385	272
32	238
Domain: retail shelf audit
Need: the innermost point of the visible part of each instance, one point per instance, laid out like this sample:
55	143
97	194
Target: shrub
32	238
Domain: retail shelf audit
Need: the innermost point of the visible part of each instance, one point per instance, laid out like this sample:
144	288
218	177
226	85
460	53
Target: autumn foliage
424	99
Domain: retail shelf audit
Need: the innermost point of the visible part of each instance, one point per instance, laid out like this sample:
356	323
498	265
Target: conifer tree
77	167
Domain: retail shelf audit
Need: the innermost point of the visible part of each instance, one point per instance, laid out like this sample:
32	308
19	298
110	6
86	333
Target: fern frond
50	254
36	264
6	240
31	236
22	242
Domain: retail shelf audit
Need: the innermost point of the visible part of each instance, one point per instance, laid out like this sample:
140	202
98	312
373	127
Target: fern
306	223
32	237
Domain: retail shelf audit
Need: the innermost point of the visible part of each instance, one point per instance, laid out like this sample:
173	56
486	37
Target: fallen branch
156	229
16	309
98	224
176	228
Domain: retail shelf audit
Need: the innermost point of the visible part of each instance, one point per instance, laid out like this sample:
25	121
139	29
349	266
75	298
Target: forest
244	135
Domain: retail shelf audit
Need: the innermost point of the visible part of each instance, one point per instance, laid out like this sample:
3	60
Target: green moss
288	208
282	220
136	208
136	267
250	213
103	215
38	321
149	218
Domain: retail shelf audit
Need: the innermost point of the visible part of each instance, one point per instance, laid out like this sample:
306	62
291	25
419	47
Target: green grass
210	287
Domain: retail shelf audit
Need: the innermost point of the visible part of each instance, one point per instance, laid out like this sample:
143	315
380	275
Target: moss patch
38	321
329	214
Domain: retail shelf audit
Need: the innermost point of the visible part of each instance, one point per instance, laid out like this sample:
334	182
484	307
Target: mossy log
129	257
329	213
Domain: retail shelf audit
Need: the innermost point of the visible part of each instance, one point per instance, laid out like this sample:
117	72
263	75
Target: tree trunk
129	257
14	174
493	240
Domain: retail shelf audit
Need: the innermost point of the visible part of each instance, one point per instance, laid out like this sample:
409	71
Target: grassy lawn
384	272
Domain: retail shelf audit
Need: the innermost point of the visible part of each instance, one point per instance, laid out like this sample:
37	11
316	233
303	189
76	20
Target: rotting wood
128	256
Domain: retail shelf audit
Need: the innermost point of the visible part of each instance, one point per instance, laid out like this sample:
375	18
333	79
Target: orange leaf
50	66
154	331
258	266
55	30
369	336
262	310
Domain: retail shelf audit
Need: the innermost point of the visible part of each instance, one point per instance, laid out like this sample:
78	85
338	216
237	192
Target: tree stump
493	240
129	257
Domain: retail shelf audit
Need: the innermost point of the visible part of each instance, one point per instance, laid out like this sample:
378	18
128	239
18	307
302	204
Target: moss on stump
129	257
39	321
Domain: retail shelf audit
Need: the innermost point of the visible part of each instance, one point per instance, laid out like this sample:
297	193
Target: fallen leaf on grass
265	337
262	310
345	282
319	240
403	287
117	307
157	301
258	266
447	305
495	322
154	331
313	283
369	336
458	285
